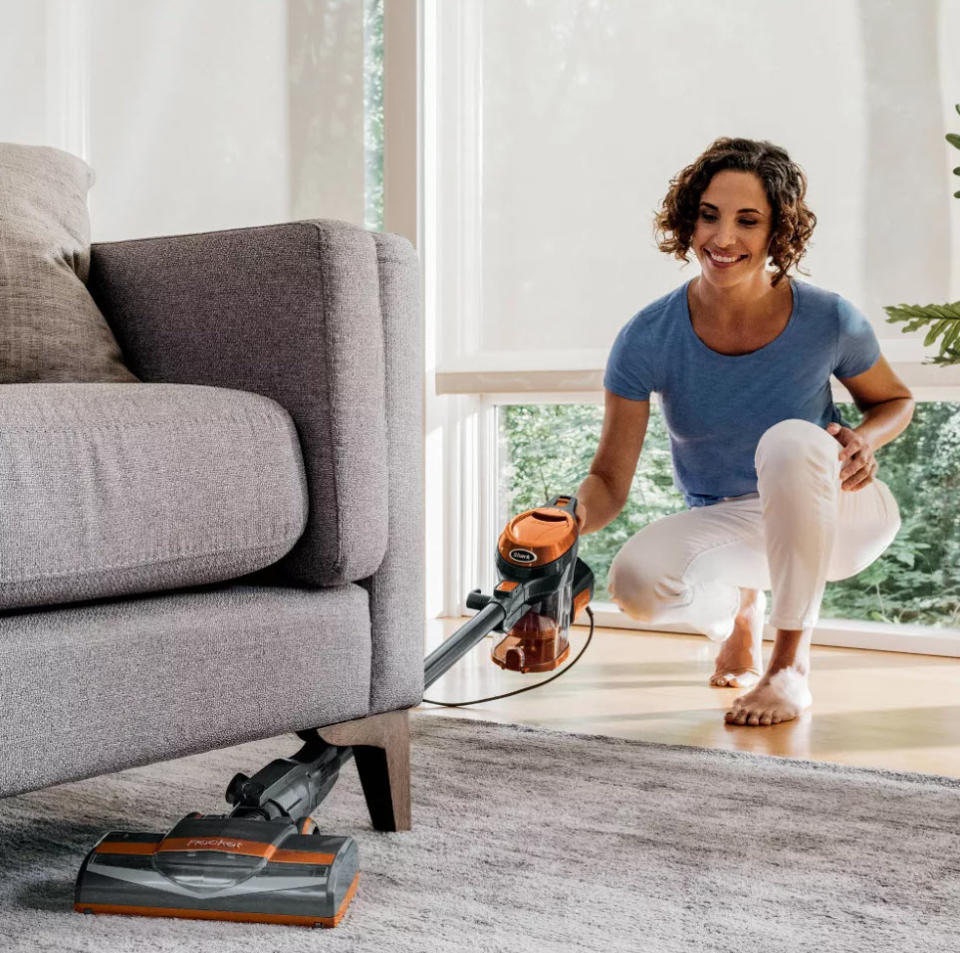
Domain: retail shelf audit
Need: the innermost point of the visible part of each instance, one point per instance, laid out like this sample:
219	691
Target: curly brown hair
783	180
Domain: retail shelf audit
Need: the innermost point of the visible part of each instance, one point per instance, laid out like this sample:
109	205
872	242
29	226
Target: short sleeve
857	346
628	373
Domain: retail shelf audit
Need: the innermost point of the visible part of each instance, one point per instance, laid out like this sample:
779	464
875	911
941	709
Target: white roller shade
559	124
195	116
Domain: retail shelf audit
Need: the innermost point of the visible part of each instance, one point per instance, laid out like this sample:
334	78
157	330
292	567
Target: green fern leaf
940	319
902	312
934	332
943	359
922	314
950	338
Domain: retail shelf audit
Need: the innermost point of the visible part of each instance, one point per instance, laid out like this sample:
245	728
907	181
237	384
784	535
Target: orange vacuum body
541	544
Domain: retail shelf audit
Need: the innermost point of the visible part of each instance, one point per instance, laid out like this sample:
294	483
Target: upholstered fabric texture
50	328
109	489
290	311
319	317
397	601
94	688
324	318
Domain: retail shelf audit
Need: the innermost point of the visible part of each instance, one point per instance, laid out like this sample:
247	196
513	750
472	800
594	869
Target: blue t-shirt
717	406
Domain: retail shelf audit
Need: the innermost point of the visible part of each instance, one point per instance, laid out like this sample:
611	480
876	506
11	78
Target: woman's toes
735	679
762	705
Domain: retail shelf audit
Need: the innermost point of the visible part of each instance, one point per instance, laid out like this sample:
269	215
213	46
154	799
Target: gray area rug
528	839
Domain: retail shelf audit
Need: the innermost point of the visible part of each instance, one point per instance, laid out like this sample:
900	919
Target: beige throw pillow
50	327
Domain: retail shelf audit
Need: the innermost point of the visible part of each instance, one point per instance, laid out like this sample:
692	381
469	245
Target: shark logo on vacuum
213	842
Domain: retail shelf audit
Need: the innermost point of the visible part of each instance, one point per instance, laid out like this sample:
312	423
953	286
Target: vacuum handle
568	503
289	787
476	599
465	638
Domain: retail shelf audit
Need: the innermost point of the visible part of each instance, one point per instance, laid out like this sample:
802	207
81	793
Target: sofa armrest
324	318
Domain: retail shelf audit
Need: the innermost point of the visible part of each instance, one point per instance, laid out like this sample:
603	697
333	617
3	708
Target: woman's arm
885	401
604	492
882	422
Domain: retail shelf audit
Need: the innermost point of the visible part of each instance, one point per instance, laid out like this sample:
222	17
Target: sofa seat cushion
94	688
111	489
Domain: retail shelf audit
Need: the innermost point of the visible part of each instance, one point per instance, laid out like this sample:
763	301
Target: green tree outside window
547	449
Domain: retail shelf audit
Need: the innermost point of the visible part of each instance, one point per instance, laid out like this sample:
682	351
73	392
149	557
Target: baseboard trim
847	633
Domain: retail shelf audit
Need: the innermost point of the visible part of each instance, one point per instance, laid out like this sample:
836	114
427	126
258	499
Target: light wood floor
875	709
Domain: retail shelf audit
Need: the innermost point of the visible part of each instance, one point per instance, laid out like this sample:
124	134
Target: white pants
797	532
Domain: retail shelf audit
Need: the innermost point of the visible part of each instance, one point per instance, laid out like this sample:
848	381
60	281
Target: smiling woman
775	206
708	214
781	493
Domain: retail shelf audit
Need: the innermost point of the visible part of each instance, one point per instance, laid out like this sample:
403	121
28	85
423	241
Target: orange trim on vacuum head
249	848
187	914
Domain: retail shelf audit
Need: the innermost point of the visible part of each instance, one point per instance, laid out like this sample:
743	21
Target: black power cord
529	688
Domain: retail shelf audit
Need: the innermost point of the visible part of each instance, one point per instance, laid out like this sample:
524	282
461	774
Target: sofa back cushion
50	327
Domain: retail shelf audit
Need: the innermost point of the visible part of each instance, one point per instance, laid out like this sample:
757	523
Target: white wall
23	64
325	49
188	118
194	116
948	31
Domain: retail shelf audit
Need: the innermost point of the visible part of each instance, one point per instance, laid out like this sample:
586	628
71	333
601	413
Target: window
546	449
373	113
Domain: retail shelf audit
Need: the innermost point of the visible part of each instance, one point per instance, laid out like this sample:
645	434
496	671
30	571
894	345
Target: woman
780	493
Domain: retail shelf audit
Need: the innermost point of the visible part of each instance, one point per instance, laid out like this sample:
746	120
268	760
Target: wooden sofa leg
381	748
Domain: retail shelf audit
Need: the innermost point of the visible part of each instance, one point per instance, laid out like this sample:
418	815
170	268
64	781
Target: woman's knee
793	440
640	588
891	509
866	540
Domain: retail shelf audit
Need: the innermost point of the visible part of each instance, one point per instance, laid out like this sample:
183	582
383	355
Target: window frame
475	471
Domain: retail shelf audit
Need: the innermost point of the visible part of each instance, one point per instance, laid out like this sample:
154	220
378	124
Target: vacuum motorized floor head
222	868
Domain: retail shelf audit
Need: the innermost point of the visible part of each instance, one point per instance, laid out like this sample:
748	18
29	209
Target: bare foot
740	659
778	697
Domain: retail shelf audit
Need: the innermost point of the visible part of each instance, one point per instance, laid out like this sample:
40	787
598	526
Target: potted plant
943	319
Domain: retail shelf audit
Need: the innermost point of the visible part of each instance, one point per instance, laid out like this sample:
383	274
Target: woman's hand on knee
859	464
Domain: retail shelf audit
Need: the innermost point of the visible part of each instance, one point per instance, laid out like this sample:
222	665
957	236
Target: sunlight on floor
875	709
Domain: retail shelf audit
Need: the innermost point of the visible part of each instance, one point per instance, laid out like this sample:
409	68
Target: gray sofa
233	548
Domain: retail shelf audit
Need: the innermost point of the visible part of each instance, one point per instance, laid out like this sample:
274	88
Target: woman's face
734	221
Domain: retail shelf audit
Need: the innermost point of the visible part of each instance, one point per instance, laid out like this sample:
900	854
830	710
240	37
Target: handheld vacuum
266	861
